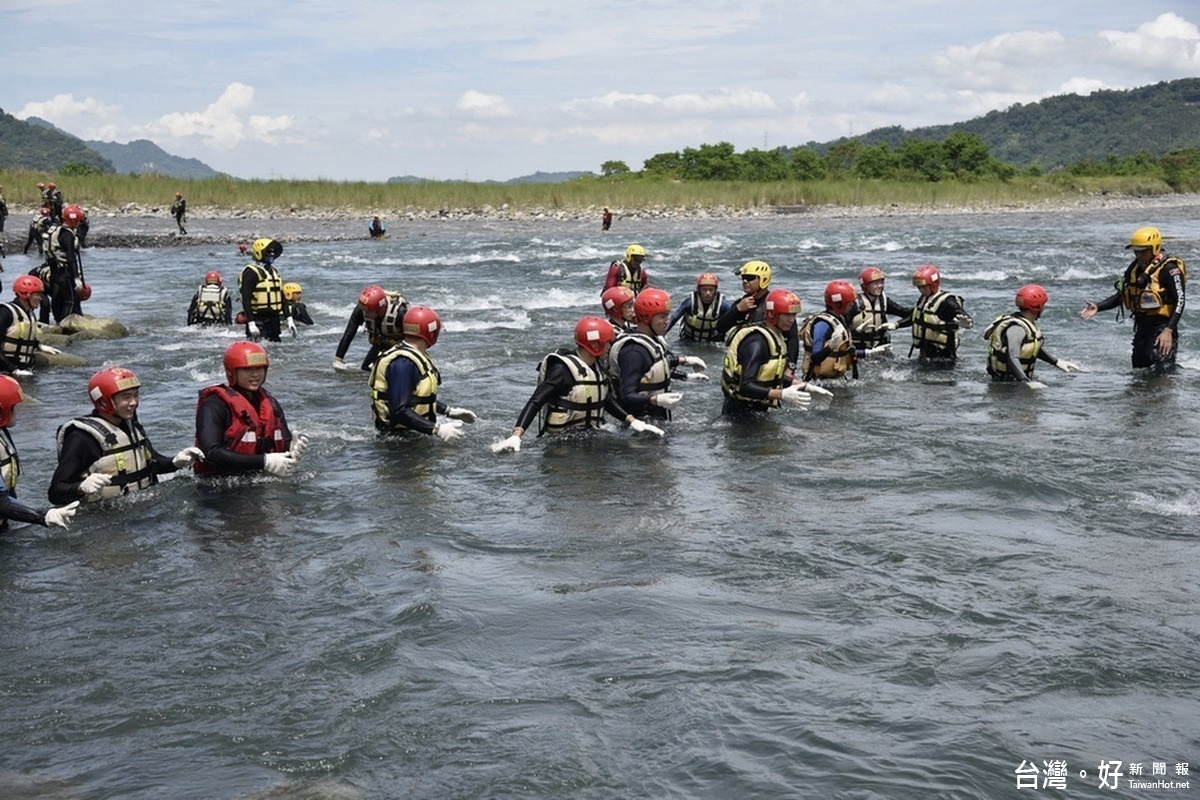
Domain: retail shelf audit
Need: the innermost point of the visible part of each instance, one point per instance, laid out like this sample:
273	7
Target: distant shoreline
132	225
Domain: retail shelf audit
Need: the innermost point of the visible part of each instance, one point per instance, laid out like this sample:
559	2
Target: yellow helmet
265	247
634	250
1145	237
290	290
759	269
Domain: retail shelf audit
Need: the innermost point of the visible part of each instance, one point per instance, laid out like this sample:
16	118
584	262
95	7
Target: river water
911	591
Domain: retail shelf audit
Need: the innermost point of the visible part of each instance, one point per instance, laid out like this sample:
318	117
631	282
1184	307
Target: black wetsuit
752	353
213	417
558	383
734	318
1147	327
79	451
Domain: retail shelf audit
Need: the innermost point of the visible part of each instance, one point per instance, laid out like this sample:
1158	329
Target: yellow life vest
583	406
10	464
267	294
1031	345
700	323
627	280
1143	291
424	396
771	372
124	454
841	347
658	378
928	327
20	341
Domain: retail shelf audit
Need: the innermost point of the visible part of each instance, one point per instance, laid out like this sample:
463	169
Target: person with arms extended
179	212
211	304
405	381
1015	342
701	311
641	364
294	308
240	426
829	350
936	319
756	376
869	319
381	312
574	390
107	453
10	470
628	273
261	290
1153	290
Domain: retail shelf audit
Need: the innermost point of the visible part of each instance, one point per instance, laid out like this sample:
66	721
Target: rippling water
906	592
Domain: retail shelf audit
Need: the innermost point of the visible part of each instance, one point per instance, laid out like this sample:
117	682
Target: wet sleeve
11	509
820	345
1112	301
557	383
894	309
1175	285
635	362
355	322
79	452
679	311
1014	337
212	419
402	378
752	355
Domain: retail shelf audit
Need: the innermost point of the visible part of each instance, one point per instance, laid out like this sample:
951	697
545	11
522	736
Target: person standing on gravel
179	211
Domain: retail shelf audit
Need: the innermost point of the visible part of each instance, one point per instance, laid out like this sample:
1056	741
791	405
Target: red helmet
41	185
72	216
614	301
212	278
10	396
839	297
85	293
27	285
424	323
649	303
243	355
1032	297
108	382
373	301
927	275
45	211
781	301
50	185
241	247
594	335
707	279
870	275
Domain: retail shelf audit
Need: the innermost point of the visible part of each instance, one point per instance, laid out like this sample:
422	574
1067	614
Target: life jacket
583	405
252	431
748	318
770	373
870	313
424	395
10	463
387	330
267	294
1031	345
658	378
1143	291
58	256
840	359
211	301
929	330
124	454
700	323
626	278
20	341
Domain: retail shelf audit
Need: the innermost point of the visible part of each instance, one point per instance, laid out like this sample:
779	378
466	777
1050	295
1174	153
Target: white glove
889	326
692	361
795	396
645	427
22	373
964	321
449	431
820	391
281	464
667	399
694	376
79	284
1035	384
463	414
1068	366
94	482
874	351
299	445
187	456
339	364
291	326
510	445
45	348
59	517
252	329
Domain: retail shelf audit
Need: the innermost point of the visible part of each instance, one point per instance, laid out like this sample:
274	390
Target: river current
919	589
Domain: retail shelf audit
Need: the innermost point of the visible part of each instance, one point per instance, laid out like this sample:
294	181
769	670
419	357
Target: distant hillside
39	149
142	156
537	177
1066	129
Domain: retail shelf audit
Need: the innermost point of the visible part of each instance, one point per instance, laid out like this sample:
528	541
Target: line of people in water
620	364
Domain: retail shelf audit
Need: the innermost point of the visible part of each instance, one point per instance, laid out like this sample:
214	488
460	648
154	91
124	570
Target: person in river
10	469
107	453
211	304
829	349
936	318
261	289
381	312
641	364
1015	343
1153	290
179	212
629	272
701	311
574	389
294	308
617	303
869	323
19	327
751	308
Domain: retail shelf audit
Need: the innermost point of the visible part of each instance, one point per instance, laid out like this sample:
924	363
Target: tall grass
155	191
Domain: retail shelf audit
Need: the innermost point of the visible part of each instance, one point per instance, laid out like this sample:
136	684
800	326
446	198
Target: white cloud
88	118
1006	62
221	125
1168	41
722	102
478	104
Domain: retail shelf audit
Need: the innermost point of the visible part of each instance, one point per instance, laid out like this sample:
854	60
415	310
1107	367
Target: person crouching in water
10	469
1015	343
404	383
240	427
573	390
107	453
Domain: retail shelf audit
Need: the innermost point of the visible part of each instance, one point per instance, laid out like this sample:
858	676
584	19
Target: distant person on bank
179	212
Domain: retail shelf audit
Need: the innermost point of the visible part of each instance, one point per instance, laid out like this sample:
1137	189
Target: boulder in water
58	360
90	327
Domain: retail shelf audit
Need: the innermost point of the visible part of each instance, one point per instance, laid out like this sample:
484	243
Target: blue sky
478	89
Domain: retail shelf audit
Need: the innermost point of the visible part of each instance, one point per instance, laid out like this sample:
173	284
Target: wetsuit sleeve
402	378
7	365
212	420
1174	285
635	362
191	314
227	305
949	309
557	383
79	452
11	509
752	355
302	315
355	322
894	309
820	345
677	314
1014	337
730	318
246	284
614	275
1112	301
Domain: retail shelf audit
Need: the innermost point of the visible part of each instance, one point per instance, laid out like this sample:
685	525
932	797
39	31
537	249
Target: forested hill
1066	129
31	147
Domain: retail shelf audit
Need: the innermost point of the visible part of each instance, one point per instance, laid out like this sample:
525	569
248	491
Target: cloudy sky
481	89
